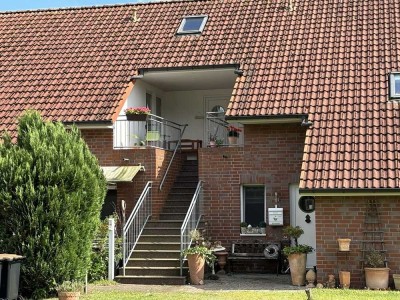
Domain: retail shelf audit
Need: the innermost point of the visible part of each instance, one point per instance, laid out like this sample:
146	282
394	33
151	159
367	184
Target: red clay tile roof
325	59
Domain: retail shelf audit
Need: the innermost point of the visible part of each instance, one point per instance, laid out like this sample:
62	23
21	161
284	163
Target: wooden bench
255	250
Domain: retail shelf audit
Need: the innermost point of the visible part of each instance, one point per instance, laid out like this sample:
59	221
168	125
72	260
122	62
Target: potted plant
243	227
233	134
69	290
297	255
197	256
262	226
137	113
344	244
376	272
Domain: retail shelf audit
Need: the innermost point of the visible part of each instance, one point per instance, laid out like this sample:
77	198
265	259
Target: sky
6	5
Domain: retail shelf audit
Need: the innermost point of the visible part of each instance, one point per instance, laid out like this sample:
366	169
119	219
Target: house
313	85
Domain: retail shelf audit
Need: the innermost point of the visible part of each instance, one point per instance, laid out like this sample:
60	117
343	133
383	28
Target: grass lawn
323	294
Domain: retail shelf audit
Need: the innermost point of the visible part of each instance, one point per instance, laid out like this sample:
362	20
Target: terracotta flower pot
396	279
344	244
196	268
377	278
69	295
297	263
344	279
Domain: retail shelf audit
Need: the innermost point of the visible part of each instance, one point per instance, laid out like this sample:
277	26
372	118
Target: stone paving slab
228	282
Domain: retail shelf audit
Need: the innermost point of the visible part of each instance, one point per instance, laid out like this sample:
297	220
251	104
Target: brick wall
343	217
155	161
271	155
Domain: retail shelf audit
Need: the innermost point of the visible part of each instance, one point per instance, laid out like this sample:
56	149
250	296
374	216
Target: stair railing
192	220
133	228
178	144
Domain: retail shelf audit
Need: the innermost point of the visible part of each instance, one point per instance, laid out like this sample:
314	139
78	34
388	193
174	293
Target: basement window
192	25
394	85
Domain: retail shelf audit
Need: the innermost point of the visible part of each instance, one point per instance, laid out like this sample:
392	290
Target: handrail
135	224
192	220
178	144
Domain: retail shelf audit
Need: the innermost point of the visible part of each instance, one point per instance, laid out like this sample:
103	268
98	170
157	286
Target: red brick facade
343	217
155	162
271	156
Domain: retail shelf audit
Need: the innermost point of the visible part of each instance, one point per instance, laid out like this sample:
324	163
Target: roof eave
278	119
358	192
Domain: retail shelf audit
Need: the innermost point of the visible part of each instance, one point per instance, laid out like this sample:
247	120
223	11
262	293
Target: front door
306	220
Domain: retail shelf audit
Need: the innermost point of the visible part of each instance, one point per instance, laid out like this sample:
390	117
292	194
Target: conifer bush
51	193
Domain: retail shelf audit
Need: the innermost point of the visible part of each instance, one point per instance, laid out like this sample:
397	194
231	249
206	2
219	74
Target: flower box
132	117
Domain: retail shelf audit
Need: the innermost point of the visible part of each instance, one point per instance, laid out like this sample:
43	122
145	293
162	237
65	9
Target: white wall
189	107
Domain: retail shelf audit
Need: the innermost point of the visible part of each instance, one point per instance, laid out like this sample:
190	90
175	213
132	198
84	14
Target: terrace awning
121	173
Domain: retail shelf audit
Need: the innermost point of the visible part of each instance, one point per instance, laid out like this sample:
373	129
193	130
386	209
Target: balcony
154	132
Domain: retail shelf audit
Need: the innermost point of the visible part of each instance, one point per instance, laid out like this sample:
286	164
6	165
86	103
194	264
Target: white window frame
392	85
242	201
200	30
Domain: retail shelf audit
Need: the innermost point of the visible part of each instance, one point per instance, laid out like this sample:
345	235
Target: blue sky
39	4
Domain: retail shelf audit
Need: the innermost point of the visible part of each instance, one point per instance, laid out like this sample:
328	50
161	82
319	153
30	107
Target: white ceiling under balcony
186	80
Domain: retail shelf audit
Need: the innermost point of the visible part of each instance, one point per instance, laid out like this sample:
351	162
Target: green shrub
99	257
51	193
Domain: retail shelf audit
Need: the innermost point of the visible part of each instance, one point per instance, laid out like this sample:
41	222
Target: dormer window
394	85
192	25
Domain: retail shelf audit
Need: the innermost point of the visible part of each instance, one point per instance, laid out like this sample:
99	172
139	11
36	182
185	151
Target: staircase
156	257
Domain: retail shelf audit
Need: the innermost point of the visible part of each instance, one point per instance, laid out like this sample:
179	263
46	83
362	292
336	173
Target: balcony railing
154	132
217	130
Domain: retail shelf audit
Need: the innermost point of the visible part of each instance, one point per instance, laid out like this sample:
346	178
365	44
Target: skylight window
192	25
394	84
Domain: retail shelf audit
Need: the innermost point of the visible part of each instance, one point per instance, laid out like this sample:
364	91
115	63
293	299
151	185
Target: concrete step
160	238
182	209
152	271
180	196
186	178
178	202
185	184
172	216
153	262
158	246
155	280
155	254
183	190
162	231
163	224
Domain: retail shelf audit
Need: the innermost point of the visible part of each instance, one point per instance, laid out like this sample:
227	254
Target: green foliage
243	224
297	249
70	286
204	252
293	232
374	259
262	224
99	258
51	193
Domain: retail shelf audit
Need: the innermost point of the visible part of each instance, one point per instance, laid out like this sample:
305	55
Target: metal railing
134	225
177	146
217	129
191	220
154	132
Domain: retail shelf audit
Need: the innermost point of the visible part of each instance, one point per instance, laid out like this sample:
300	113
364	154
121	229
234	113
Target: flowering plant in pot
233	131
376	271
69	290
197	256
297	255
137	113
